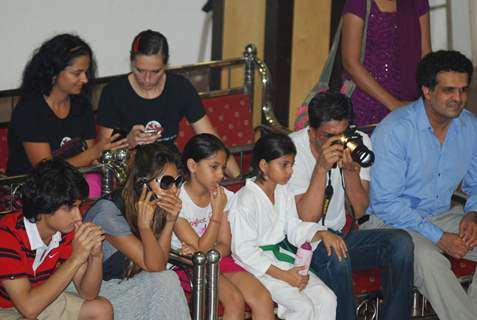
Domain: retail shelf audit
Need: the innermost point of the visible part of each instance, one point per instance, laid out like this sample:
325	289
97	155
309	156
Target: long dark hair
270	147
148	163
52	57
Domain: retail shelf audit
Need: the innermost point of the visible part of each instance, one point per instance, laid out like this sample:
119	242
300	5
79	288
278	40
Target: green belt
279	255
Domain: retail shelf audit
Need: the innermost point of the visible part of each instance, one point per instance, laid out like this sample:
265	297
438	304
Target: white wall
473	31
107	25
461	39
463	18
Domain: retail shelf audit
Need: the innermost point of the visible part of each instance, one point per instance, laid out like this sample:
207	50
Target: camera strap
327	198
355	222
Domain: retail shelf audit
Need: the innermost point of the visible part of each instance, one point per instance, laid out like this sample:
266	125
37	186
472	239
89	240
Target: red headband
136	44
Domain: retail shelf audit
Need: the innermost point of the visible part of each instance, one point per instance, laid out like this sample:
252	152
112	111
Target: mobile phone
152	131
148	187
122	133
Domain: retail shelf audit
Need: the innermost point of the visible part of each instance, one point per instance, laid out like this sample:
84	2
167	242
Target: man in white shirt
325	181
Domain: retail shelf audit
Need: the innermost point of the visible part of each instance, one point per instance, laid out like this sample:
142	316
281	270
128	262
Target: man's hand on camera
347	163
329	153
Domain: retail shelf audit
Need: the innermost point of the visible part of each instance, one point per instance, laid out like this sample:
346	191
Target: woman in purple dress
398	36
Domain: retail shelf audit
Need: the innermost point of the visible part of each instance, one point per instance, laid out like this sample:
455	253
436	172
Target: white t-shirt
303	170
198	217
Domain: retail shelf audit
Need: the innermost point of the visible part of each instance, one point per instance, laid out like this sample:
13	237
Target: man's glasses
166	182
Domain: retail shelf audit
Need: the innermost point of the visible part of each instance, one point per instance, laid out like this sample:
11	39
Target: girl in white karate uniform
203	225
262	214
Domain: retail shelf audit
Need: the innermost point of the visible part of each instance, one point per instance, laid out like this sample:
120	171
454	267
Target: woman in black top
54	118
148	103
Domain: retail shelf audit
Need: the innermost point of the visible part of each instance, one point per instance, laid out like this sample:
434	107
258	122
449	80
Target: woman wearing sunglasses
138	221
203	224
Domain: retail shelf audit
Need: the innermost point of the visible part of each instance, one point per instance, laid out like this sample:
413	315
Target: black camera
352	140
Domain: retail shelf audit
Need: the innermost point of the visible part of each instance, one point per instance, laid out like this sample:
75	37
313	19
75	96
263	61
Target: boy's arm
88	278
30	302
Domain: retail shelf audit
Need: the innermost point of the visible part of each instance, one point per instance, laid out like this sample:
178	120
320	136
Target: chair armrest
177	259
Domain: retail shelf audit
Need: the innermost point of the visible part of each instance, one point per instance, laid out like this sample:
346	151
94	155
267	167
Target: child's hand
218	200
186	250
145	209
295	279
171	203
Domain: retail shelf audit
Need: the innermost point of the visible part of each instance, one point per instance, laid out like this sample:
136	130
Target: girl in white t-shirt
203	225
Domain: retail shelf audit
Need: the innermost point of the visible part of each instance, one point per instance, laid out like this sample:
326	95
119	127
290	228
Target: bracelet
214	220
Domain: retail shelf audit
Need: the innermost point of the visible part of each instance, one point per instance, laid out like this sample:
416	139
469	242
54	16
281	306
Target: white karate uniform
256	222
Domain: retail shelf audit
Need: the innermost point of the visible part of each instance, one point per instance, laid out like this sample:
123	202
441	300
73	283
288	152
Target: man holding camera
326	181
423	152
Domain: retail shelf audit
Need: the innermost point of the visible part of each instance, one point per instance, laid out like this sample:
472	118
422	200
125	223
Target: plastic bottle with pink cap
303	257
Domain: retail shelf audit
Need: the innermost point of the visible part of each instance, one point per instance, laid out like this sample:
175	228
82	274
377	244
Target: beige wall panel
244	23
311	28
6	107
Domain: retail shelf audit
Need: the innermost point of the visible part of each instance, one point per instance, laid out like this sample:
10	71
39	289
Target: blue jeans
392	250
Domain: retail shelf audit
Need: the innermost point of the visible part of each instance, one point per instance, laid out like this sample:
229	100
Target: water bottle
303	257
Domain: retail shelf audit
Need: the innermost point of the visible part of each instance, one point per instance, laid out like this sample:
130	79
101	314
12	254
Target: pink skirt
226	264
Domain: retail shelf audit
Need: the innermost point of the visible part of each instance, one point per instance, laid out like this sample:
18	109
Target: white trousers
433	276
315	302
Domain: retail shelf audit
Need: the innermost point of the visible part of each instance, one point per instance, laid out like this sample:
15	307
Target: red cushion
236	186
85	206
230	116
370	280
366	281
462	267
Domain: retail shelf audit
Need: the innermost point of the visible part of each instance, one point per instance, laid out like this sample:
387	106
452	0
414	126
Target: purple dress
381	59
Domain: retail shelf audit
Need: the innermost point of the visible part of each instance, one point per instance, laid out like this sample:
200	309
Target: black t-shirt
121	107
34	121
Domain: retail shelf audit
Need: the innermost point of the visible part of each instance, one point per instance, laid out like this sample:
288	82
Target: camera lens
363	156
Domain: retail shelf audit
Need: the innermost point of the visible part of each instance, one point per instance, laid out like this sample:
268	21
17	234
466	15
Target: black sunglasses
166	182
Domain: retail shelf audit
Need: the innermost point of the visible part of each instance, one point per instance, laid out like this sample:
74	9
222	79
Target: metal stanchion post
213	257
249	56
198	286
106	173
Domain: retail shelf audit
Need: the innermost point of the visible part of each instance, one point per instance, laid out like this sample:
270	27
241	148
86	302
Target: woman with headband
148	103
